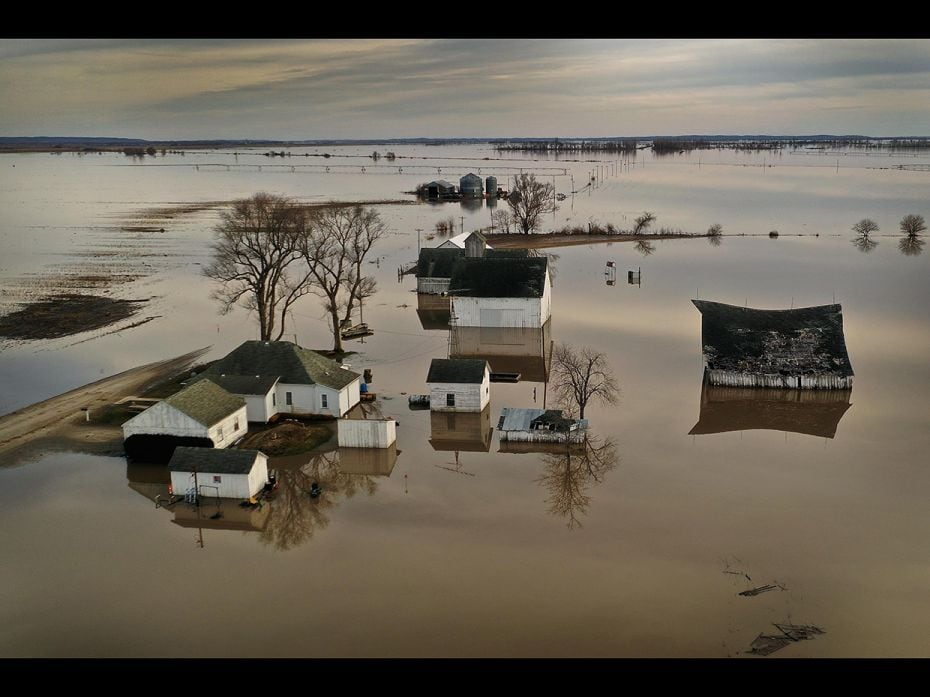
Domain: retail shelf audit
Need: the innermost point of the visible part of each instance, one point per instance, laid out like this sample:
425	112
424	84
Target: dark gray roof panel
457	370
295	365
212	461
246	384
500	277
205	402
435	262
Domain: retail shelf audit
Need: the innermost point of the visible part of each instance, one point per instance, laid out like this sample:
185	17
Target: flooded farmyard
694	520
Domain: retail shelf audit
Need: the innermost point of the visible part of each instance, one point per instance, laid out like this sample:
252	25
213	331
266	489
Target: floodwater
640	549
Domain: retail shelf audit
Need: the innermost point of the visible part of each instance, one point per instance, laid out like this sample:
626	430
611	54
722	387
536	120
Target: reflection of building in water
377	462
523	350
803	348
811	412
465	432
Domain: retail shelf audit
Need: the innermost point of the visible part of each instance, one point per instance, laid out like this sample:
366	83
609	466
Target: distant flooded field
702	519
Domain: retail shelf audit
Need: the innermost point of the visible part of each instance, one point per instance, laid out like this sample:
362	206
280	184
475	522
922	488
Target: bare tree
529	200
578	377
865	244
570	472
643	222
645	247
335	248
714	234
257	259
865	227
503	221
912	225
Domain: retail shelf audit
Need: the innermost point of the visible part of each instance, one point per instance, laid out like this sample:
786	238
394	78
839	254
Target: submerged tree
529	200
714	234
644	247
338	240
257	259
912	225
643	222
865	227
569	473
911	245
580	377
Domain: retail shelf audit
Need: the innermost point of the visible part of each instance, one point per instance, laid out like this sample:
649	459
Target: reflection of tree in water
864	244
715	240
553	258
911	245
570	473
644	247
294	515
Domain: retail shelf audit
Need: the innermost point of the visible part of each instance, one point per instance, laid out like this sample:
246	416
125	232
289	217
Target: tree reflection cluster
571	470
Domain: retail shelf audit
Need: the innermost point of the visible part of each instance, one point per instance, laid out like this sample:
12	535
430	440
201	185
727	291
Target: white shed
501	290
366	433
228	474
459	384
201	414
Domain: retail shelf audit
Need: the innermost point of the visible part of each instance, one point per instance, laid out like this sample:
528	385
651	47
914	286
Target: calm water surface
471	553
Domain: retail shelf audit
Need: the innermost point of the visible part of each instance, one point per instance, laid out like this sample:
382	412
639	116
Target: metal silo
470	185
490	185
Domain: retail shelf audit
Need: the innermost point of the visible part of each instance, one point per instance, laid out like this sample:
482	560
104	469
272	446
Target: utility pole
462	218
419	230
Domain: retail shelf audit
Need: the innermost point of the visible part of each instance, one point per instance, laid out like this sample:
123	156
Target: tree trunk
337	332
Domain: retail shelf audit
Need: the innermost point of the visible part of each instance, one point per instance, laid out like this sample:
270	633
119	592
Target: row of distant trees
270	251
911	226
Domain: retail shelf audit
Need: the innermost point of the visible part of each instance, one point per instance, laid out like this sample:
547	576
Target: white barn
459	384
228	474
434	268
458	241
280	377
201	414
501	291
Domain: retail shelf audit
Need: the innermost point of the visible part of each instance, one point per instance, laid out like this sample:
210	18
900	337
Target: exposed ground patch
65	314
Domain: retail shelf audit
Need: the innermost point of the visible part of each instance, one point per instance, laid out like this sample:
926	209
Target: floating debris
762	589
767	644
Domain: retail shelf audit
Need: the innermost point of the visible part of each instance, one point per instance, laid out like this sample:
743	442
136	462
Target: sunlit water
490	553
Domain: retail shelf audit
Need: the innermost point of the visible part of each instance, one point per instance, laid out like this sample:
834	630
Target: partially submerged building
280	377
434	269
227	474
467	239
501	289
439	189
458	384
540	425
803	348
202	414
471	185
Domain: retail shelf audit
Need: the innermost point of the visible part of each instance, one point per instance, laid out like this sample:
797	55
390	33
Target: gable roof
459	241
438	262
212	460
500	276
460	370
807	340
246	384
294	364
205	402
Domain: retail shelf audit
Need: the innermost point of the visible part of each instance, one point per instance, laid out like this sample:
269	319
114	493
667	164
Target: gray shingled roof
499	276
212	461
295	365
246	384
807	340
460	370
438	262
205	402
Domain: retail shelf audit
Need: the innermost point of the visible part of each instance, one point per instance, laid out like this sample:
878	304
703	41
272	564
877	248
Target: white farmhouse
280	377
501	290
227	474
457	384
202	414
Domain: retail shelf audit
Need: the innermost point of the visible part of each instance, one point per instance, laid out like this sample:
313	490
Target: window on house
450	400
217	479
288	398
236	424
324	401
274	399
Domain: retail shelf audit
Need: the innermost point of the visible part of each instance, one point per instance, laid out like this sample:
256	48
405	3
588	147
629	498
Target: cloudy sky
372	88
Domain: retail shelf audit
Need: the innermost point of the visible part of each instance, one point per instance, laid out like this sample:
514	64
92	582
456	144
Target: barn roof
212	460
805	341
205	402
294	364
499	276
246	384
438	262
457	370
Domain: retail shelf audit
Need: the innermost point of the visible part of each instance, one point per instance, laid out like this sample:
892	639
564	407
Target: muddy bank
66	314
62	417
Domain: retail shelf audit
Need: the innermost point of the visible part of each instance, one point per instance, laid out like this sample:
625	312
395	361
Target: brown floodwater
445	545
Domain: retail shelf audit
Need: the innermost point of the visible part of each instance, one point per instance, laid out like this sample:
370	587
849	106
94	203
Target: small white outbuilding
459	384
228	474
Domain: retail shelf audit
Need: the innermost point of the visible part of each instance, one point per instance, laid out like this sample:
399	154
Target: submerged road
46	418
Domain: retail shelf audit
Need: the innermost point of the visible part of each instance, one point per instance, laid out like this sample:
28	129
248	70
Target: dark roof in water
805	341
463	370
294	364
811	412
245	384
499	276
205	402
434	262
211	460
